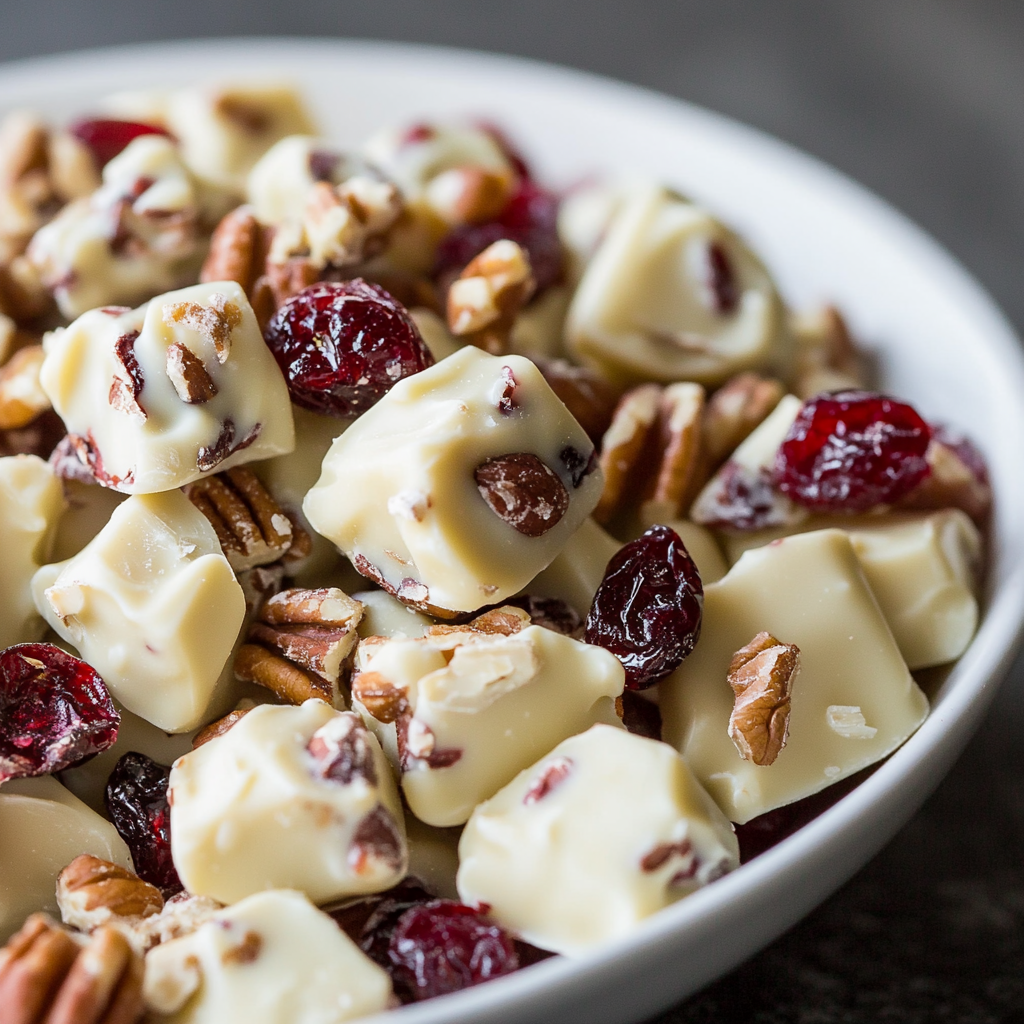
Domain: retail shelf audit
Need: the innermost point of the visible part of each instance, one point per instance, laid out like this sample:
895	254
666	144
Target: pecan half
49	977
732	413
238	250
523	492
250	525
761	675
22	398
188	374
299	642
93	892
279	281
485	299
214	322
679	436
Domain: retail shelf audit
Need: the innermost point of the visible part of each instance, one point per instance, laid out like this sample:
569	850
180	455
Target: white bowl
941	342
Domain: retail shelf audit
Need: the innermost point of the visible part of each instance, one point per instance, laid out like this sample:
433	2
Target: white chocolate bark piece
289	797
462	711
808	590
89	508
137	235
579	567
152	604
537	330
31	504
271	959
434	331
603	832
43	828
384	615
177	389
584	216
672	294
459	485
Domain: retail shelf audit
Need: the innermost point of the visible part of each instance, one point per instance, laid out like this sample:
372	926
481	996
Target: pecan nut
523	491
584	392
679	439
733	412
238	249
22	398
215	321
761	675
299	643
250	525
92	892
220	726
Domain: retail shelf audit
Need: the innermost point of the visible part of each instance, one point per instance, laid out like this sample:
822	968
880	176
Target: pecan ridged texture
521	490
92	892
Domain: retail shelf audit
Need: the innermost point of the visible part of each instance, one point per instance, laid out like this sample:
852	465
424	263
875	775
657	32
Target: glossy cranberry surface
54	711
530	219
443	946
647	610
852	450
105	137
343	346
136	801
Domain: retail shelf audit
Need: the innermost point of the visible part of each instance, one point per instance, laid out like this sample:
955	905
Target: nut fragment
470	194
189	375
953	482
49	977
733	412
761	675
624	445
503	621
22	398
250	525
847	720
219	727
486	297
584	392
523	492
826	357
215	321
237	250
349	223
679	437
93	892
299	643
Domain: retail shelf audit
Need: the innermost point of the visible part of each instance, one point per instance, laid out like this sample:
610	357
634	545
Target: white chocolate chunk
384	615
261	807
538	327
31	504
108	378
603	832
479	708
152	604
578	569
271	959
672	294
398	493
137	235
43	828
806	590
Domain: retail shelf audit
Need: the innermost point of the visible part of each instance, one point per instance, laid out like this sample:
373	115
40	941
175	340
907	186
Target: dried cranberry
137	803
529	218
852	450
342	347
371	922
54	711
647	610
105	137
443	946
743	499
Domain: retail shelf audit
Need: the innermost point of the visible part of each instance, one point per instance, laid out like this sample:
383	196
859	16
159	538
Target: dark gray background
924	103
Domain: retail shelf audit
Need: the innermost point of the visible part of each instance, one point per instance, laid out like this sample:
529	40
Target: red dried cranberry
852	450
105	137
647	610
55	711
137	803
530	218
443	946
371	922
342	347
744	499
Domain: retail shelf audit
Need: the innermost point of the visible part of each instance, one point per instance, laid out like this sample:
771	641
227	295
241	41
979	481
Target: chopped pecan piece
381	698
215	321
624	445
250	525
826	357
93	892
299	642
485	299
732	413
504	621
189	376
22	398
761	675
238	250
679	436
470	194
128	385
221	726
958	478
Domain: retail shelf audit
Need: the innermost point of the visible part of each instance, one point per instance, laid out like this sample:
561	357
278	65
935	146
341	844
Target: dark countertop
924	103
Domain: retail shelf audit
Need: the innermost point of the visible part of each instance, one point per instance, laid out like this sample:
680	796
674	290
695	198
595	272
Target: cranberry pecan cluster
431	573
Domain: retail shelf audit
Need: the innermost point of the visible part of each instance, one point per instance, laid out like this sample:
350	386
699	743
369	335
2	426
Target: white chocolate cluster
602	832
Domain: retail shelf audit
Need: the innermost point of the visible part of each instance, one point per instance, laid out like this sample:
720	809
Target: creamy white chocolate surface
579	567
602	832
538	328
253	808
481	707
271	959
152	604
647	306
384	615
163	435
31	504
43	828
398	492
808	590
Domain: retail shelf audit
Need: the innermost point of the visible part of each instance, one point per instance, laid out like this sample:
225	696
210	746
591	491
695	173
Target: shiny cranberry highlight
852	450
647	610
443	946
342	347
105	137
54	711
137	803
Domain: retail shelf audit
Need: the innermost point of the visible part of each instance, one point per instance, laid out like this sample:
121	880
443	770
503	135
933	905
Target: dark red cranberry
105	137
852	450
137	803
722	285
647	610
550	612
55	711
443	946
744	499
530	218
371	922
343	346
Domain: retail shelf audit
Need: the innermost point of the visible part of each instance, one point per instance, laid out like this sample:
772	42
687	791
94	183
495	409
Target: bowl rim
973	681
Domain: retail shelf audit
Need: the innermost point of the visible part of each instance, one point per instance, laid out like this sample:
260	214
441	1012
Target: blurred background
922	102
